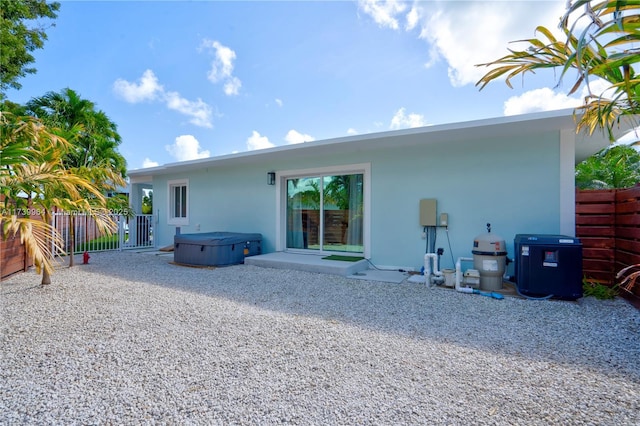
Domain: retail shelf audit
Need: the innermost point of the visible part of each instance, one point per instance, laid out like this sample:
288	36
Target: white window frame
281	199
171	219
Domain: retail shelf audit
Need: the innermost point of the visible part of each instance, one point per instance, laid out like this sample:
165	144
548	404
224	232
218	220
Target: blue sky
185	80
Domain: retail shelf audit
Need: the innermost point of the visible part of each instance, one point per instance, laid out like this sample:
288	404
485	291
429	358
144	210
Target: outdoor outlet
444	219
197	227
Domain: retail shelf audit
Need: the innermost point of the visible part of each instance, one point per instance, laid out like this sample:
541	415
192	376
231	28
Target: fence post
53	226
121	220
155	227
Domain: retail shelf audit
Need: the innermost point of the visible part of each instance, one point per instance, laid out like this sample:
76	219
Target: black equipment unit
548	265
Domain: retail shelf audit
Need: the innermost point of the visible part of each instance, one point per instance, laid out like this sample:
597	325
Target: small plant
598	290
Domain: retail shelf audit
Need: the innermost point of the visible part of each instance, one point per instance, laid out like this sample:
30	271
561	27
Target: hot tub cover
216	238
215	248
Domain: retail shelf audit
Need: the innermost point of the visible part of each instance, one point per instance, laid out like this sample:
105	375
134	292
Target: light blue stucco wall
511	183
221	199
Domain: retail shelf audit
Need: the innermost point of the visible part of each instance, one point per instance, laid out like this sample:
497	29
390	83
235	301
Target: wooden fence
13	256
608	224
336	224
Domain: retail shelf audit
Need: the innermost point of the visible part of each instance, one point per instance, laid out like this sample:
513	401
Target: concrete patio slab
307	262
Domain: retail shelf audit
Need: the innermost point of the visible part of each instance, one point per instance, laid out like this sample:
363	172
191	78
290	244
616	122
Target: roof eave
502	126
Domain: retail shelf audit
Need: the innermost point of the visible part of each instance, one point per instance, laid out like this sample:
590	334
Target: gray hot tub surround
215	248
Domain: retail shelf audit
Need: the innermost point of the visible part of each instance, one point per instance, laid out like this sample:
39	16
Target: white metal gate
132	233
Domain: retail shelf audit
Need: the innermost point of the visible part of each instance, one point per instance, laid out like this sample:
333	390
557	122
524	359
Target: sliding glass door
303	213
325	213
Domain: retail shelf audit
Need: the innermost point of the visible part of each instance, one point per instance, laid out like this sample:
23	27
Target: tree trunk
46	277
72	239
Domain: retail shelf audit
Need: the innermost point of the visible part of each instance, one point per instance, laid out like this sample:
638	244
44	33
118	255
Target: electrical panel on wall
428	212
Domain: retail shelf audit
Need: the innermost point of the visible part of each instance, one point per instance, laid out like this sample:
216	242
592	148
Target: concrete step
307	262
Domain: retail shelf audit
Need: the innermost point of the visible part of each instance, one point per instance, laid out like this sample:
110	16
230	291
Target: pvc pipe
428	270
459	275
428	258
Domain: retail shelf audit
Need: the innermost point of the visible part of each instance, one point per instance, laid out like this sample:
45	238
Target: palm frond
605	47
41	240
629	281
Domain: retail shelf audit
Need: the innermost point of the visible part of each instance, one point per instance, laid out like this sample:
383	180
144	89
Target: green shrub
598	290
106	242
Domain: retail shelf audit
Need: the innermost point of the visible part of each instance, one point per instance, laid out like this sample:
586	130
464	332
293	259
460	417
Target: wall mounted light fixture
271	178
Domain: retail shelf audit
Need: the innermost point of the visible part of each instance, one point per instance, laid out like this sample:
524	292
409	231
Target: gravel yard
133	339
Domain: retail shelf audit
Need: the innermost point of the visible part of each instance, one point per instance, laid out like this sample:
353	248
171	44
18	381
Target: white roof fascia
477	129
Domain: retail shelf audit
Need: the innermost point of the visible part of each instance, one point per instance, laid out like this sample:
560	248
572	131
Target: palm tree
147	203
605	48
94	139
19	183
33	180
613	167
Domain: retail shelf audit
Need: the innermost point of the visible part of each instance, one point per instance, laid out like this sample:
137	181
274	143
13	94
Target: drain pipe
459	275
430	258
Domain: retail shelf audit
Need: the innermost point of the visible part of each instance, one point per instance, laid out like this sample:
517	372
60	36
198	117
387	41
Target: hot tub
215	248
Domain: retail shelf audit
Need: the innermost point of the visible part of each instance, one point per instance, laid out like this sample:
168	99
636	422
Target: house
362	195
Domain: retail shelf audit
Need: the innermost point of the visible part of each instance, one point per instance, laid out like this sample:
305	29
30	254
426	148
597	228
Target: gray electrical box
428	212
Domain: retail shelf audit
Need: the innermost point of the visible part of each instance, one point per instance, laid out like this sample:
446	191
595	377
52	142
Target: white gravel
133	339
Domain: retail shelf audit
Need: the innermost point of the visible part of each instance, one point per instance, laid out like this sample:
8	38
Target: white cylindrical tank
490	259
449	277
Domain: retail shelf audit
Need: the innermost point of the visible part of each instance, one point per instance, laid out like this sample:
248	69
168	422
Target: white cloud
147	88
466	33
147	162
199	111
293	137
383	12
279	102
352	131
488	31
186	147
546	99
401	120
599	87
232	86
539	100
630	137
257	141
413	18
222	67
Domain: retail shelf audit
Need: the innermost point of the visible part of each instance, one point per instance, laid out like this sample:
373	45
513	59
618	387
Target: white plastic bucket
449	277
